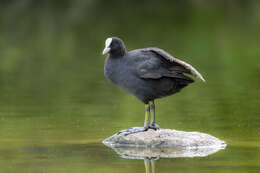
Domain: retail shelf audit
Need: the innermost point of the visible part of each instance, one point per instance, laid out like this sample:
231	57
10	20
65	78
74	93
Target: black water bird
148	74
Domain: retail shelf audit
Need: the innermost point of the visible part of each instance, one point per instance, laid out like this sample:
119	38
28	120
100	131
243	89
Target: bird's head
114	46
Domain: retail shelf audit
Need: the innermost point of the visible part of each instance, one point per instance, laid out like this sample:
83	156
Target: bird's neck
118	52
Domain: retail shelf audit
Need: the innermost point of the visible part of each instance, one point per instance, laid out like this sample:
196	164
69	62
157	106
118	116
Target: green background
56	106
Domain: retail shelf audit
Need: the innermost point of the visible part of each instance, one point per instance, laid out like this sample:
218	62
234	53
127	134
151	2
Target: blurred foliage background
51	68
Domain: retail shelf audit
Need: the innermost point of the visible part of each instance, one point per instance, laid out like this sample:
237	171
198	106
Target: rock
164	143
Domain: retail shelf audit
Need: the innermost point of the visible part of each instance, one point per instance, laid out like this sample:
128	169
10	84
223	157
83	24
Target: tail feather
181	83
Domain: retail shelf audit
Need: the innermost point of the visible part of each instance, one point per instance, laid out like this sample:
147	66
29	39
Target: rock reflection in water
150	155
142	152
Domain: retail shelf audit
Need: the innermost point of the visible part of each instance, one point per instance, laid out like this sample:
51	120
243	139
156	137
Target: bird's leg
147	116
139	129
153	125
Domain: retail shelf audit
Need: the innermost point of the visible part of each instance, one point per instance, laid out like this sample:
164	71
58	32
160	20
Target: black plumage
148	73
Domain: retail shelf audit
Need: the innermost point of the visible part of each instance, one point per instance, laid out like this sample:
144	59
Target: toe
133	130
154	126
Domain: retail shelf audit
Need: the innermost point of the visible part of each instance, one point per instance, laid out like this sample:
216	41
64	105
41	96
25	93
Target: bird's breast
112	70
120	73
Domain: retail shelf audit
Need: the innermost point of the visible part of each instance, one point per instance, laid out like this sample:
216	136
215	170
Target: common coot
148	74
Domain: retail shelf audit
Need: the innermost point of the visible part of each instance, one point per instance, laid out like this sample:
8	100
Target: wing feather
187	67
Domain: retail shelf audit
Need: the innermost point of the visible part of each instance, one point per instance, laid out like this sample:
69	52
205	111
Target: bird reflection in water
149	164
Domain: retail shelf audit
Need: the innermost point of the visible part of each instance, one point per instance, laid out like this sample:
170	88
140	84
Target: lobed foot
154	126
133	130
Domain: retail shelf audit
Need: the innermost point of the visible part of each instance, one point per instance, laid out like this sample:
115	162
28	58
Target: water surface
56	106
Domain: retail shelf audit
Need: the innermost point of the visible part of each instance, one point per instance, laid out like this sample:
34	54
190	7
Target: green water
56	106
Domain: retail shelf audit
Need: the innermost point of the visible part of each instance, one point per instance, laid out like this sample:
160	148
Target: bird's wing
176	68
